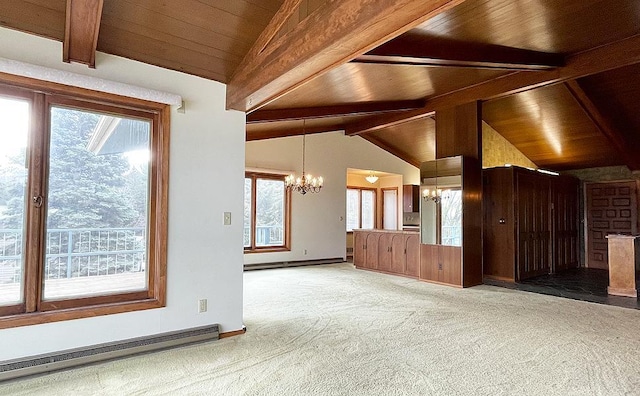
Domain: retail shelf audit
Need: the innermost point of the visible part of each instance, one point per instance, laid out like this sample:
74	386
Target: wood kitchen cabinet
393	252
411	198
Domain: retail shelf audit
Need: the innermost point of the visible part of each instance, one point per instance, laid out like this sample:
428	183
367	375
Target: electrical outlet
227	218
439	266
305	252
202	305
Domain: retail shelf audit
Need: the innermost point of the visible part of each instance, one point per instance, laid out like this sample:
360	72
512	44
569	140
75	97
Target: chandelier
434	195
372	178
305	183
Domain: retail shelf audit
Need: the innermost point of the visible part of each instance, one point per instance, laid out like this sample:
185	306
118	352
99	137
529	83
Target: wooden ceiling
559	79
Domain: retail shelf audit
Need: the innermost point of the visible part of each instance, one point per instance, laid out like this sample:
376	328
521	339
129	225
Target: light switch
227	218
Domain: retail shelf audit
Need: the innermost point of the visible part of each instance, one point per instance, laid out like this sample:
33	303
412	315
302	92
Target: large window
82	204
266	213
361	208
390	208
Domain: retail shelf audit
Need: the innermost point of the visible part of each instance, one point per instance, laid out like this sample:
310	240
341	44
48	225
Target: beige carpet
334	330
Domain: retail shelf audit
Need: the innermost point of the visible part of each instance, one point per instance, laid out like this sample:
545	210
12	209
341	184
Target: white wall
318	219
205	180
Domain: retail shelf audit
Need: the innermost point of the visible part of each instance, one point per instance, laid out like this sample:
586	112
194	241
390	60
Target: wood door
499	224
398	254
611	209
359	252
412	255
384	252
565	224
372	250
534	225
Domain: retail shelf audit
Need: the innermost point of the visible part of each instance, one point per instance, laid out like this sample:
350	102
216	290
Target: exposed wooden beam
597	60
378	122
412	49
392	150
278	133
281	16
625	147
335	33
81	31
346	110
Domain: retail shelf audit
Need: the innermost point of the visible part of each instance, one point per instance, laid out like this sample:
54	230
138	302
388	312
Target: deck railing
265	236
77	252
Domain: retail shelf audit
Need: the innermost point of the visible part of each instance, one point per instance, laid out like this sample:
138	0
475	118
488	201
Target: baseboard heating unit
39	364
285	264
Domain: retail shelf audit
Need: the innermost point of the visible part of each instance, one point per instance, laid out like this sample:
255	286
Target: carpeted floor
334	330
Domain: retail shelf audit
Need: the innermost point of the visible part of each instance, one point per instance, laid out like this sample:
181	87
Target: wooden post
459	132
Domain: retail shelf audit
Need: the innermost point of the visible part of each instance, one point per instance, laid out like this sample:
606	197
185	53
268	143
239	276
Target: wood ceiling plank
393	150
608	57
551	129
34	18
567	26
413	49
140	20
81	31
153	52
625	147
273	115
253	11
333	34
218	61
291	131
363	83
378	122
616	94
205	16
416	139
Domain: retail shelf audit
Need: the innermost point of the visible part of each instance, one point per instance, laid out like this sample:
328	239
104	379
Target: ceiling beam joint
335	33
344	110
597	60
619	141
420	50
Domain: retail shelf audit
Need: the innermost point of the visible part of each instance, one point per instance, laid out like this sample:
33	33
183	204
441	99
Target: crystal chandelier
434	195
305	183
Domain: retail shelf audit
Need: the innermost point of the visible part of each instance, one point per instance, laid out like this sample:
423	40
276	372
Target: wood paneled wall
531	223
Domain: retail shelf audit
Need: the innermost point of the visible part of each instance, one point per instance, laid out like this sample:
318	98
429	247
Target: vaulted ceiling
560	80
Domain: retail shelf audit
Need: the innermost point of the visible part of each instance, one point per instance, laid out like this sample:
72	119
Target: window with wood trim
83	191
267	213
390	208
361	208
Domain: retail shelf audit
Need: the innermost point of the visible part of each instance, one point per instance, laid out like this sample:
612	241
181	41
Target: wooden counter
388	251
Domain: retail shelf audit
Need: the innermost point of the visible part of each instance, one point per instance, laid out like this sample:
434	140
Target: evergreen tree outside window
82	204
